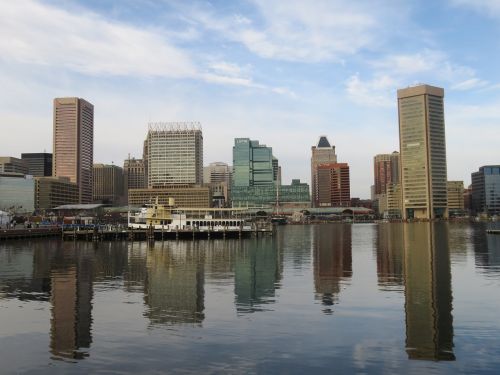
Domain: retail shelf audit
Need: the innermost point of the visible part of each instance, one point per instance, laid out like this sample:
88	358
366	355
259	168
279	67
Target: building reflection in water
486	250
390	255
71	277
332	261
174	285
257	273
428	305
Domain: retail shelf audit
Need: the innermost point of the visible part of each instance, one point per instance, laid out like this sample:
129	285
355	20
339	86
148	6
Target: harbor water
330	298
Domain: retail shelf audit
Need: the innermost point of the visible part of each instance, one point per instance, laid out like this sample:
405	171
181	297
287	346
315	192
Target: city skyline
241	72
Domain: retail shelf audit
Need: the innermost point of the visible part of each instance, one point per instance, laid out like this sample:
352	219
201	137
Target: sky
281	72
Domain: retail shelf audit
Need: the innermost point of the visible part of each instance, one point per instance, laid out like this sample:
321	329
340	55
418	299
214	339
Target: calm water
334	298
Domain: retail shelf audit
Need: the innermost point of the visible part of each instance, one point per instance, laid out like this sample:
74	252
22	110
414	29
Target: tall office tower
486	190
322	153
333	185
73	143
386	171
9	164
423	152
39	164
108	184
175	154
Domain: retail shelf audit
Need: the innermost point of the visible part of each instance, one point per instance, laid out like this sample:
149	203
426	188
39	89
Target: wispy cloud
299	30
490	8
399	70
84	42
377	92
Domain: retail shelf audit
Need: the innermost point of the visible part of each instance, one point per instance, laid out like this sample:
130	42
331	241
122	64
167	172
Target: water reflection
428	305
390	255
257	273
486	250
332	261
174	285
71	274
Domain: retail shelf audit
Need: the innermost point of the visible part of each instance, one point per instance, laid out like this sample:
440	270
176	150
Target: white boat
169	218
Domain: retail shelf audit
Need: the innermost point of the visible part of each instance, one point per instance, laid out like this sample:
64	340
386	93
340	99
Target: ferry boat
169	218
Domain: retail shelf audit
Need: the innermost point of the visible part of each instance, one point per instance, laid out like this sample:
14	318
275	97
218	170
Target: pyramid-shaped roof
323	142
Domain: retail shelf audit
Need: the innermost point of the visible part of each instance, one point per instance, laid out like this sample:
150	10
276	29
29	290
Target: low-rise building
186	196
51	192
17	193
108	184
266	195
9	164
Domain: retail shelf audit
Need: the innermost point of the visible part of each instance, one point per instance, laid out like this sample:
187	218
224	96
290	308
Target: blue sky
282	72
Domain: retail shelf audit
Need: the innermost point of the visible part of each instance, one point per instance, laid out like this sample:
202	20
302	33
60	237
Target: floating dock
12	234
493	231
121	234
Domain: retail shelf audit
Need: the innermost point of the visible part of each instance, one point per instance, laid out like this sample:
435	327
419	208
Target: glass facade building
256	177
17	193
486	190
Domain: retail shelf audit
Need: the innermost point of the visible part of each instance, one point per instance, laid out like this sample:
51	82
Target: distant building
218	176
468	199
386	177
253	164
422	152
108	184
333	185
52	192
39	164
256	178
322	153
456	198
186	196
17	193
9	164
386	171
486	190
174	154
134	175
73	143
296	194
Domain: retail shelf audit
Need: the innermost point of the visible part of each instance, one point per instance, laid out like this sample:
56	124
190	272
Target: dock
129	234
493	231
22	233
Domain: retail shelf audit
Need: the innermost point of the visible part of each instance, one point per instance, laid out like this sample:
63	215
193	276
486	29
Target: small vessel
170	218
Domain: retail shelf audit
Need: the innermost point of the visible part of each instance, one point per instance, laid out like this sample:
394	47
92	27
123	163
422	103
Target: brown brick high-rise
73	143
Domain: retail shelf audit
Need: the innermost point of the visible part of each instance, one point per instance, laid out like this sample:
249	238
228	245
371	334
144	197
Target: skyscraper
175	154
322	153
423	152
73	143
